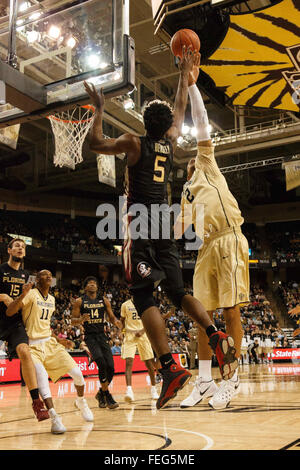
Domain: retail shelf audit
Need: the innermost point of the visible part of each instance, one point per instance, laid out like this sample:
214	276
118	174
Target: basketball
184	37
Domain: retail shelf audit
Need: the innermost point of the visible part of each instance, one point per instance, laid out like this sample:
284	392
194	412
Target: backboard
56	45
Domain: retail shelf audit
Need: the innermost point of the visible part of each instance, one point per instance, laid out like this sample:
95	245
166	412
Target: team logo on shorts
144	269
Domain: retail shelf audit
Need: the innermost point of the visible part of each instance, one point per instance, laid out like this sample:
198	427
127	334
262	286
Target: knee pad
42	381
77	376
143	299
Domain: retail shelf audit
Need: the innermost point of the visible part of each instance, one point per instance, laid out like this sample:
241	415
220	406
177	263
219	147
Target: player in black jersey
149	260
90	309
12	330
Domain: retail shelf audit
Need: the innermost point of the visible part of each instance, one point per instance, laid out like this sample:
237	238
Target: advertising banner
10	370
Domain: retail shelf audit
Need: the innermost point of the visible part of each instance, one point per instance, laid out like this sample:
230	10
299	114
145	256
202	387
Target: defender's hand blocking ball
184	37
180	42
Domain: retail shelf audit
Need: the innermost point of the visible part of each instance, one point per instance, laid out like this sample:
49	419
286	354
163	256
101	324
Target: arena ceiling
156	76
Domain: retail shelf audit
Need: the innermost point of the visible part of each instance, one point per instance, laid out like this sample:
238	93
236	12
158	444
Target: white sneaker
200	391
154	394
57	426
129	397
86	413
227	390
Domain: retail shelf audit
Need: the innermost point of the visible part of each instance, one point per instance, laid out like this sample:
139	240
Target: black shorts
148	262
99	347
14	335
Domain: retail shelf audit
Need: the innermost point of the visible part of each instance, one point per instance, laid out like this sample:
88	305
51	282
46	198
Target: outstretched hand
98	99
295	311
194	74
26	288
189	59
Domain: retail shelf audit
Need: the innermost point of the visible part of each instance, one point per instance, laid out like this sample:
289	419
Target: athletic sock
211	330
34	393
166	360
52	413
205	370
234	378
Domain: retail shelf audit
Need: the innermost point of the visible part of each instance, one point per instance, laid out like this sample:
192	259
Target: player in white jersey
48	352
221	276
135	338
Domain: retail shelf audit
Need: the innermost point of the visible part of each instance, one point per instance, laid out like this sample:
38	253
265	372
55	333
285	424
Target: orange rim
86	106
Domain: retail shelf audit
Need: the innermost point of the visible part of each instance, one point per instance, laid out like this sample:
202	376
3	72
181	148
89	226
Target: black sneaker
101	398
110	402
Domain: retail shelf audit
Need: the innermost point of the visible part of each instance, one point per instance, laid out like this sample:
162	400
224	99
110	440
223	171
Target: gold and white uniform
221	276
36	313
131	342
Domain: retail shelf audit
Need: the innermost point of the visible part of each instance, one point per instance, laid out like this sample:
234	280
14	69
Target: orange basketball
184	37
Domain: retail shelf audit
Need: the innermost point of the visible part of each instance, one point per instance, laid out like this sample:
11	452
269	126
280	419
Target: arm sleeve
184	219
199	114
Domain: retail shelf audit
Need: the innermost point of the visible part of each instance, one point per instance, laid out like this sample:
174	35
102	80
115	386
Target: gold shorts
131	343
54	357
221	277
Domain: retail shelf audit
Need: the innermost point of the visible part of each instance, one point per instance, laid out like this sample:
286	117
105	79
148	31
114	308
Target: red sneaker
39	410
174	379
223	347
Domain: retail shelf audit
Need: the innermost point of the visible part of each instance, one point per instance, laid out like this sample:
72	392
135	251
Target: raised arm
126	143
199	113
186	65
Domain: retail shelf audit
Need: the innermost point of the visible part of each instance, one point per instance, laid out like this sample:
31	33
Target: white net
70	129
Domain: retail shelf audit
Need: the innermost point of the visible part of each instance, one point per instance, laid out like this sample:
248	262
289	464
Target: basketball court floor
264	416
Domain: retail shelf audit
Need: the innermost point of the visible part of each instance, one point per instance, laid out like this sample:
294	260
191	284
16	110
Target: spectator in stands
116	348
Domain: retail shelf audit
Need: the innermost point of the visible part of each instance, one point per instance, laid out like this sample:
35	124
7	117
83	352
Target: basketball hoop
70	128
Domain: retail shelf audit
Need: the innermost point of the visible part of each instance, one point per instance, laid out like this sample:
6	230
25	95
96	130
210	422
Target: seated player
136	338
48	352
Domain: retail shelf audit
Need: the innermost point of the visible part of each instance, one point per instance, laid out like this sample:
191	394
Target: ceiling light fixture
24	6
54	32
